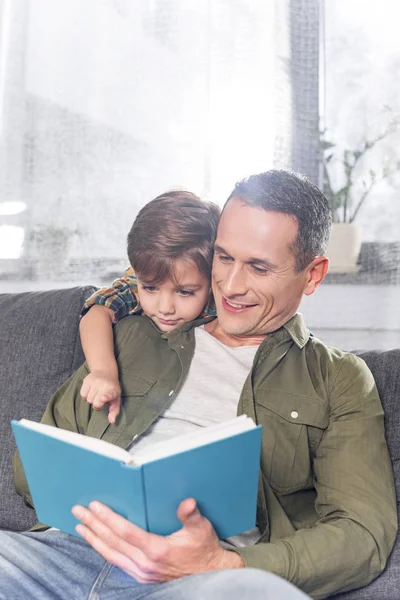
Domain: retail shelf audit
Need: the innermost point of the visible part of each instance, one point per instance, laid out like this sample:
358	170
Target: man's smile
235	306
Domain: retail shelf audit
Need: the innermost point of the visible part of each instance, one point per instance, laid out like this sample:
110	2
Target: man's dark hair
176	225
292	194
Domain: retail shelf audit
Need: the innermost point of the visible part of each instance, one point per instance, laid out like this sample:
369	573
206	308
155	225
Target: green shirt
326	502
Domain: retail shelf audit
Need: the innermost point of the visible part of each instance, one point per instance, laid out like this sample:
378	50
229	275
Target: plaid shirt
123	299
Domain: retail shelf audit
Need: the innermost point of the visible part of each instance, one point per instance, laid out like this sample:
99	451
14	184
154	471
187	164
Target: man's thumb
188	513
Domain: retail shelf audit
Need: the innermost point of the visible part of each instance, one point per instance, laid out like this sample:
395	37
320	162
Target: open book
217	466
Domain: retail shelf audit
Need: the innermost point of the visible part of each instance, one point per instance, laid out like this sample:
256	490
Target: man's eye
224	258
149	288
259	270
185	293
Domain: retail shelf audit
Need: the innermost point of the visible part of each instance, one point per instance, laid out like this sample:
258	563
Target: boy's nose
166	306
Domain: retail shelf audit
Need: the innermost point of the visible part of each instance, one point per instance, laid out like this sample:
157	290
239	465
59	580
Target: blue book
218	466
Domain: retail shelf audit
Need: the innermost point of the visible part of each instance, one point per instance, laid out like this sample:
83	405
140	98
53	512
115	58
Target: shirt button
171	392
183	347
294	414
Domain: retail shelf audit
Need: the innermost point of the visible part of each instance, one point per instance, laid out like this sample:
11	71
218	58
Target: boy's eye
149	288
185	293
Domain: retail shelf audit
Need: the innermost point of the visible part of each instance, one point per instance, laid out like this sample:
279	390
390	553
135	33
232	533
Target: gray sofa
40	348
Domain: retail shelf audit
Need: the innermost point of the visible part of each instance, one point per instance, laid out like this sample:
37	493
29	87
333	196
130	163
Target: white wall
354	316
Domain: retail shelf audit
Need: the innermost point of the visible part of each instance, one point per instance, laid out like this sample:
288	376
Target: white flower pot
344	248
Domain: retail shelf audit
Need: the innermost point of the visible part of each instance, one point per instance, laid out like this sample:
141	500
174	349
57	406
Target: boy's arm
97	340
101	385
121	298
108	305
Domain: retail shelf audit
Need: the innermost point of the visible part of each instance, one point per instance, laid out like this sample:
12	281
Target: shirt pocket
134	391
134	385
293	426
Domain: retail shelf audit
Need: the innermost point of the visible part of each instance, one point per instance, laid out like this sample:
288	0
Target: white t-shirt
209	395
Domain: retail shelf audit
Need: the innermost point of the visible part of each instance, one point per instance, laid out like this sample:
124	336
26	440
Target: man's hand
151	558
100	388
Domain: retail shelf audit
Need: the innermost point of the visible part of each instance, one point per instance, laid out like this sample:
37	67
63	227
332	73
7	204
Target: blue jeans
52	565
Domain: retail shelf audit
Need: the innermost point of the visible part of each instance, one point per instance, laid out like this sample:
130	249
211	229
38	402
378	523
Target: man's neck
234	341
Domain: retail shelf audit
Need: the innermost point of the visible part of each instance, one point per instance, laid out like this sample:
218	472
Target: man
326	516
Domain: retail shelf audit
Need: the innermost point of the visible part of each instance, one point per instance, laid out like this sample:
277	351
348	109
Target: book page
194	439
83	441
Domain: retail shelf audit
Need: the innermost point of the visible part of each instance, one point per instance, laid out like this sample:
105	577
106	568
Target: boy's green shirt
326	502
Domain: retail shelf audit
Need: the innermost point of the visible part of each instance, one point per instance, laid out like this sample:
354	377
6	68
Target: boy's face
171	303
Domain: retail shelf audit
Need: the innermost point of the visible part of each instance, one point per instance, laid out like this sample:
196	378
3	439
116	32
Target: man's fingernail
95	506
77	511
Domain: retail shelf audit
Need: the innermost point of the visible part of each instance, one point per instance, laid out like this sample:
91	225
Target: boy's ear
316	272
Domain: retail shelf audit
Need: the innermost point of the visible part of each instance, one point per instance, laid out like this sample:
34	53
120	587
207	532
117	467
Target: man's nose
166	304
235	283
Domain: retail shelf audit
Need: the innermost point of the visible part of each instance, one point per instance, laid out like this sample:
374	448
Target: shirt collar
186	326
297	330
295	327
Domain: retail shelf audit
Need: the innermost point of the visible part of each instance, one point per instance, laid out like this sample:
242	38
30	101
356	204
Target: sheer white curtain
105	104
362	96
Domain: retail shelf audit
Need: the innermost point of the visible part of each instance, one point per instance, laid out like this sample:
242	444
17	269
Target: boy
180	228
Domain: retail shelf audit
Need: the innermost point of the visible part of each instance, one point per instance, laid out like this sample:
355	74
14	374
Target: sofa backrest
385	367
39	349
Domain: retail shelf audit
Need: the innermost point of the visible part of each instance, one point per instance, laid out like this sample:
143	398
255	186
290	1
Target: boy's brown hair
176	225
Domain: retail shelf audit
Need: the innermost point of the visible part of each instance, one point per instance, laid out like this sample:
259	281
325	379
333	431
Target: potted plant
347	199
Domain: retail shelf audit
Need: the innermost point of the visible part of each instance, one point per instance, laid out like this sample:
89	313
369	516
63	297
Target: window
361	102
104	105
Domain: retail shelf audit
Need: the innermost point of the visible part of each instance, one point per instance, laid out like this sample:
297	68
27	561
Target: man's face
255	285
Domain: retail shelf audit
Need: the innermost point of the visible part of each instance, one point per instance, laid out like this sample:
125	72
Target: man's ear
316	272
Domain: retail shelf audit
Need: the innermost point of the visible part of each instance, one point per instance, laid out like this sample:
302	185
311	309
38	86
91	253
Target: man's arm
66	410
348	546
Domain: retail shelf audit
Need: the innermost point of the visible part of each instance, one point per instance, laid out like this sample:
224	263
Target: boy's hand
100	388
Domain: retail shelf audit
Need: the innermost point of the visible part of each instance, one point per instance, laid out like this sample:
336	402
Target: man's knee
247	584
